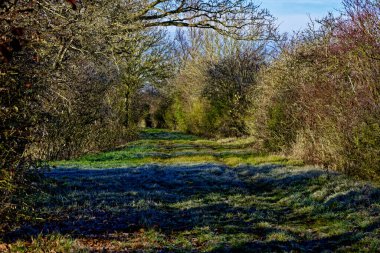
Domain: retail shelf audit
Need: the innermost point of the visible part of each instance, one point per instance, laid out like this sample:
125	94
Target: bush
319	100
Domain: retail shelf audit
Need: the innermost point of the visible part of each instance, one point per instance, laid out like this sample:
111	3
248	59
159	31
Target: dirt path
171	192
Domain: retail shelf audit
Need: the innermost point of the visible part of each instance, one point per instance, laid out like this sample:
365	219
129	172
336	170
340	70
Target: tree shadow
326	244
172	199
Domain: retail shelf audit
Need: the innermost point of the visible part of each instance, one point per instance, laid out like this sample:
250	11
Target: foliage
19	112
229	88
319	99
211	92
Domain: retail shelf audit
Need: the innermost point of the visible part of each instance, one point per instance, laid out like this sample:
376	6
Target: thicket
319	100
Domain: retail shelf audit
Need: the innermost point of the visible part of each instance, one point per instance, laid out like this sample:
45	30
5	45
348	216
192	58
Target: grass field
172	192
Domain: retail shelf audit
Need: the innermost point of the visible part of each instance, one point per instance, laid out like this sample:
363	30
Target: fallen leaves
3	247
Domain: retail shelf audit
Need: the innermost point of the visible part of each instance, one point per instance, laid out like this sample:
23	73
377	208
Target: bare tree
240	19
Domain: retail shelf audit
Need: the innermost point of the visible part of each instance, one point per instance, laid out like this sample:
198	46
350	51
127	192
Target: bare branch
240	19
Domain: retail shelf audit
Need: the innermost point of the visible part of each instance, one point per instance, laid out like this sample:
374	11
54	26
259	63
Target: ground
171	192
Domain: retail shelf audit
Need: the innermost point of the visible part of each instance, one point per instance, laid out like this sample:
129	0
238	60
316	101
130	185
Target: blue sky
294	14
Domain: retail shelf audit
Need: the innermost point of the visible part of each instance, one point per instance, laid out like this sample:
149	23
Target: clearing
171	192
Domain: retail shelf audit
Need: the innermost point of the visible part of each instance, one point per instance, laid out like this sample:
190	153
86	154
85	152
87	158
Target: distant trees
230	84
212	90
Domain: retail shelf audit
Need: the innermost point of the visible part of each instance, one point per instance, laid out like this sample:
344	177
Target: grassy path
170	192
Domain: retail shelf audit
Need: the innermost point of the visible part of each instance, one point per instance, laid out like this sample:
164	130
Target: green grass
166	148
41	244
171	192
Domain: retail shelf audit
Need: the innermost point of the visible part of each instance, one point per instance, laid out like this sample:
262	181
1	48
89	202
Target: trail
170	192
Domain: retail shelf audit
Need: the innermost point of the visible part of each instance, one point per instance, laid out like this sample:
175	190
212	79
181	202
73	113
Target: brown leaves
73	3
3	247
12	44
5	53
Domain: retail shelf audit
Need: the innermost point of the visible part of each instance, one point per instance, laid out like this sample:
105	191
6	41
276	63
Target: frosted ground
170	192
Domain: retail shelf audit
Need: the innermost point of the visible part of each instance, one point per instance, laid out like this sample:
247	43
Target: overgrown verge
320	99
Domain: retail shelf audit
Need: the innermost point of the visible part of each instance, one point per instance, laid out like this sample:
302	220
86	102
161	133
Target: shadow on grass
327	244
270	207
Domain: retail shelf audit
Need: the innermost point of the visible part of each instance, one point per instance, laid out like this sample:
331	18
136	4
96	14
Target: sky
293	15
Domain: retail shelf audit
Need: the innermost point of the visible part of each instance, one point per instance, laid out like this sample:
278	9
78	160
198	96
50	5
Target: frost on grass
202	205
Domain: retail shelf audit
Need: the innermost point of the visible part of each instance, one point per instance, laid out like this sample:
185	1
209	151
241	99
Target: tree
230	84
240	19
211	93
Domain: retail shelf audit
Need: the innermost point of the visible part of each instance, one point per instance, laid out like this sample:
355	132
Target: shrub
320	98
